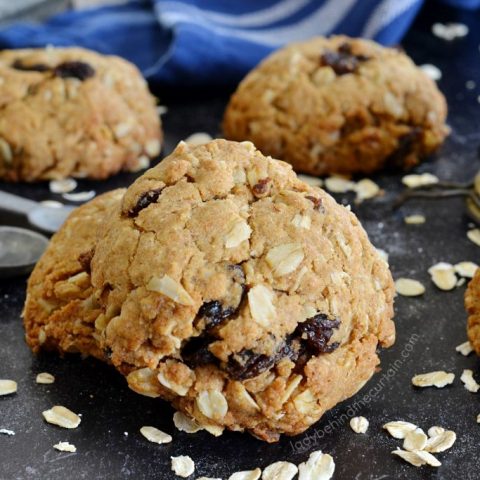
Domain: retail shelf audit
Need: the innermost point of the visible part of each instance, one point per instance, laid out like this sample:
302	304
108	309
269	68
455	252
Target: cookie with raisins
472	305
339	105
245	297
61	309
73	112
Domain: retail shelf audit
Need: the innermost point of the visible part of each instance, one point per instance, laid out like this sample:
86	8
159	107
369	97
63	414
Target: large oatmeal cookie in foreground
247	298
73	112
472	305
60	309
339	105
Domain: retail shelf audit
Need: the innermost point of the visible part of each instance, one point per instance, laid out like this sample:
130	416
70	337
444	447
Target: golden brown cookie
472	305
247	298
73	112
60	309
339	105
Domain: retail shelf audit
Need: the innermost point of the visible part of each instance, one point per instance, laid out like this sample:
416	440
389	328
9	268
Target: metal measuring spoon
20	250
44	217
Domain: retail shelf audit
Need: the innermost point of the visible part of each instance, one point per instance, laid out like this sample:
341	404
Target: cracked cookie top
73	112
339	105
222	270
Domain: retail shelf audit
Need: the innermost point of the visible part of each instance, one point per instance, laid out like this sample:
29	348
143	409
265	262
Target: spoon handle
16	204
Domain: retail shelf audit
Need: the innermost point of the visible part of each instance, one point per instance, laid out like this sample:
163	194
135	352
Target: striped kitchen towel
211	42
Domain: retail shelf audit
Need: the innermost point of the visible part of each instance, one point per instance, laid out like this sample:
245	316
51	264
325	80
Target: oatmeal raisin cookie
472	305
339	105
60	309
73	112
245	297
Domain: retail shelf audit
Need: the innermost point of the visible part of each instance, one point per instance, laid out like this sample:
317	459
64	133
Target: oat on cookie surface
60	309
247	298
73	112
339	105
472	305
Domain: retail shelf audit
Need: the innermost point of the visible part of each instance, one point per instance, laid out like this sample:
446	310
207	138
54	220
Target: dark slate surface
429	328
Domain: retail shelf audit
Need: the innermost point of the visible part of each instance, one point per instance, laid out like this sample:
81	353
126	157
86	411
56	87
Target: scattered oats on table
440	442
366	189
280	471
408	287
435	430
45	378
183	466
65	185
422	180
399	428
65	447
61	416
469	382
338	184
414	219
79	196
437	379
7	387
443	276
246	475
318	466
450	31
464	348
466	269
155	435
415	440
359	424
474	236
417	458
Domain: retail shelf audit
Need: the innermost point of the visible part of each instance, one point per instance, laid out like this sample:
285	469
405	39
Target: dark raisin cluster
214	313
195	353
406	144
144	201
310	338
316	332
248	364
37	67
79	70
343	61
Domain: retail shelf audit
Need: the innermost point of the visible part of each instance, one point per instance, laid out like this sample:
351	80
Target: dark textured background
429	328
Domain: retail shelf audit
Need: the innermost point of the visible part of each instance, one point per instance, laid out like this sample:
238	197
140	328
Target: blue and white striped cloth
211	42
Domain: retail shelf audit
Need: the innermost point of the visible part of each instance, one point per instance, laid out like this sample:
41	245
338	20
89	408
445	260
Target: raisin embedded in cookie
247	298
60	309
73	112
339	105
472	305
